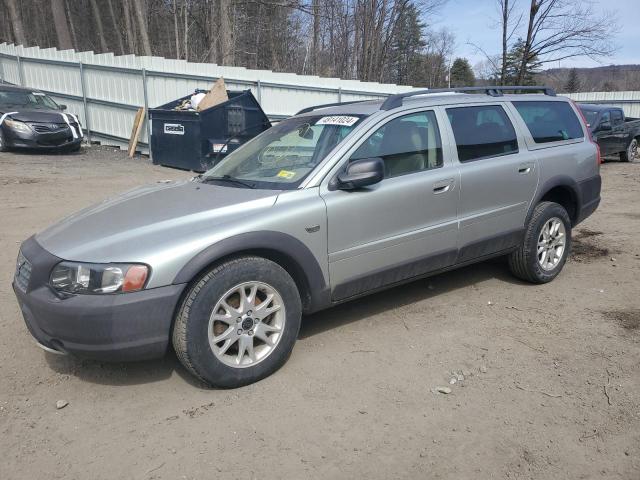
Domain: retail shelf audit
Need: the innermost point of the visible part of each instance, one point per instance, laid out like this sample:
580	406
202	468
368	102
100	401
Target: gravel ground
551	384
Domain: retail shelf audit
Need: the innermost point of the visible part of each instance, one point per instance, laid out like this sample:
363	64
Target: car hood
33	115
131	226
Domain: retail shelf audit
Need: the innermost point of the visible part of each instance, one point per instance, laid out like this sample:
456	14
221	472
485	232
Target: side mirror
604	126
62	107
361	173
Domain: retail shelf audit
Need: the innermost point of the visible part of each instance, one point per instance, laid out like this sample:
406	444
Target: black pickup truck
614	133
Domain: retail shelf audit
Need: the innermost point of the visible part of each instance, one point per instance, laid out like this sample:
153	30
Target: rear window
550	121
482	132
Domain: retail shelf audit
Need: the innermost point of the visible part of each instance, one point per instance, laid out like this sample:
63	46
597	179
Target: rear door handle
525	168
442	186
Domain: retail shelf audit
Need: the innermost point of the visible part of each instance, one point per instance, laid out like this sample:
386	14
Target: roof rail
395	101
315	107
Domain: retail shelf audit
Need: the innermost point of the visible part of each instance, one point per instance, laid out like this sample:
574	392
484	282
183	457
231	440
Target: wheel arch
562	190
281	248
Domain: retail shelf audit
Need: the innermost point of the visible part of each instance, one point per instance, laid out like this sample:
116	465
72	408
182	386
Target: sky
475	21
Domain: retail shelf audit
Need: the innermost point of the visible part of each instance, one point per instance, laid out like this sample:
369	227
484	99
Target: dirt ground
551	383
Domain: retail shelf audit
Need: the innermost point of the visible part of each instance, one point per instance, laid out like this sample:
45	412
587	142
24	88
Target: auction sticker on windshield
286	174
340	120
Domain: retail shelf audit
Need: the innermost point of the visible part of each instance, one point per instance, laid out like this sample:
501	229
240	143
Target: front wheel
238	323
546	245
631	154
3	143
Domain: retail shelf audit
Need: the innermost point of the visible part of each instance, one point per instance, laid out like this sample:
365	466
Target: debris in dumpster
217	94
196	99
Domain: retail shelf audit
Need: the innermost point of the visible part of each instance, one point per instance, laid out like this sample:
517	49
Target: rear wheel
632	154
238	323
545	246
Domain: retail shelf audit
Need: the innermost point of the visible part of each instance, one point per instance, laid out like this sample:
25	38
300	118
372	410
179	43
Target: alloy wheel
551	243
246	324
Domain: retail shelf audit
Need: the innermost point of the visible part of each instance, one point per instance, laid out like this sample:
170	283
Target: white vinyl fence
107	90
628	101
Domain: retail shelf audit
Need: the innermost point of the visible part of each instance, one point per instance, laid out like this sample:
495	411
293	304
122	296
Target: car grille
50	127
23	272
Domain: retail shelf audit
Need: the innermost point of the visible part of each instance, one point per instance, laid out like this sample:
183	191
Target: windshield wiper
228	178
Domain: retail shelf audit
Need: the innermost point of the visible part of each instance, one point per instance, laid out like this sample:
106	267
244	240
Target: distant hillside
610	78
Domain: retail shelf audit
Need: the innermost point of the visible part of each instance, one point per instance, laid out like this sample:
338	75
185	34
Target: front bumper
118	327
60	139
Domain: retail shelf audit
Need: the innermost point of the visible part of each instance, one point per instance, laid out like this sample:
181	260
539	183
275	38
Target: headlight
18	126
95	278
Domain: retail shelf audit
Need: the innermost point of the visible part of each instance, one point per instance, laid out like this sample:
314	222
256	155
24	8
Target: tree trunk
60	24
141	16
214	42
533	11
185	46
116	27
16	21
98	18
505	28
175	28
128	28
315	50
225	35
74	37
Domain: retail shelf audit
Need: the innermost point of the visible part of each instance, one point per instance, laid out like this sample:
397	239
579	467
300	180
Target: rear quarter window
550	121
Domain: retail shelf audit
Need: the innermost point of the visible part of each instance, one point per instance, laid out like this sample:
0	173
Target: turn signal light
135	278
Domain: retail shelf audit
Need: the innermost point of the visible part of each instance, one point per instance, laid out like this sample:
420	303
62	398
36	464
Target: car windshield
281	157
590	116
24	99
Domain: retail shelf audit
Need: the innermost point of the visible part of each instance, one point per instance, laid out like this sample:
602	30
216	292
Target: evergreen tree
461	73
407	46
573	82
514	62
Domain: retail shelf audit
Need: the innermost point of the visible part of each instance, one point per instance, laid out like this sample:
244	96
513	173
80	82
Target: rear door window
550	121
482	132
617	117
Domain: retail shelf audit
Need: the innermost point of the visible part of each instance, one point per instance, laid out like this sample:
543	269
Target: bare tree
16	22
116	31
315	46
141	17
97	16
60	23
225	40
561	29
508	26
128	27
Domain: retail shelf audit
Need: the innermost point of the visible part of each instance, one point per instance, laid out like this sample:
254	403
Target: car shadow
28	152
146	372
121	373
406	294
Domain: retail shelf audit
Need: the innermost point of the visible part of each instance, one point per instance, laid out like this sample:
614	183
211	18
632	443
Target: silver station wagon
333	203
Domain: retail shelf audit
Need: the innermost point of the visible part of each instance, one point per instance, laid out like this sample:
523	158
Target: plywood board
135	131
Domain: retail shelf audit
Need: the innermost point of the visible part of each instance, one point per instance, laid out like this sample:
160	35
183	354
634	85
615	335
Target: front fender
297	257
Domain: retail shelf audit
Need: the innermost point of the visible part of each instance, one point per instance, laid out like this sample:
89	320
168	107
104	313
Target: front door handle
443	186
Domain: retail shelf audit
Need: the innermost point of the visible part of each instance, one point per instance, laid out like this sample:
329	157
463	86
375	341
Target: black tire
524	262
3	144
631	154
74	148
190	332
